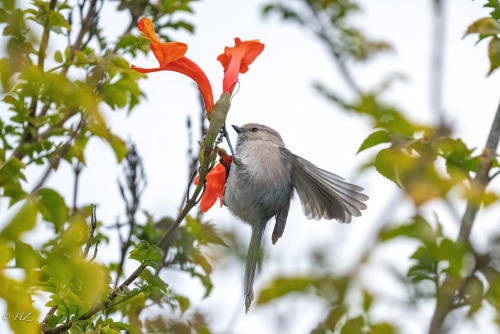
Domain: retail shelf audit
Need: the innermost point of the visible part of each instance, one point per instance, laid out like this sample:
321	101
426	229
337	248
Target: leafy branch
208	154
446	295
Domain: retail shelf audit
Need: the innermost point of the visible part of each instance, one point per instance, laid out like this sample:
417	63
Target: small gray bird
261	183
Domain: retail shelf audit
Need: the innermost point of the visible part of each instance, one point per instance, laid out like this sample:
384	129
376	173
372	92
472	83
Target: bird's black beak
237	129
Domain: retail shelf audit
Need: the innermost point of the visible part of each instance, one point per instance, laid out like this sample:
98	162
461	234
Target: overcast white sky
277	91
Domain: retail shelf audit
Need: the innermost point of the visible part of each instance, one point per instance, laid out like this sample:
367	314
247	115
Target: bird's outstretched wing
324	194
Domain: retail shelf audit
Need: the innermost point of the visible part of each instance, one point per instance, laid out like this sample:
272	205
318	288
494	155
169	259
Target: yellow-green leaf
52	207
386	162
119	146
494	54
58	57
378	137
279	287
484	26
24	220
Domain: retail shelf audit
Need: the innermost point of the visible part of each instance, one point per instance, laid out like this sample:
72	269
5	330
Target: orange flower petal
170	56
236	59
187	67
166	53
145	70
225	158
216	180
146	27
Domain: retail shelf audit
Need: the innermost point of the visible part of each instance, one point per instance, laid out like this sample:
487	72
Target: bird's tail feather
252	260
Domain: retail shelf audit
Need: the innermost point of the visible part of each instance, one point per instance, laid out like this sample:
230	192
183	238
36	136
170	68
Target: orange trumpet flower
216	181
236	59
171	57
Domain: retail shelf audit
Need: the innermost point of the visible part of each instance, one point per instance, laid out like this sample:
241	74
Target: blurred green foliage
58	72
429	165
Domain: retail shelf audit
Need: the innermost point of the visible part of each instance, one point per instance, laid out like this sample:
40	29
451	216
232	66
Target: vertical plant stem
446	293
93	225
77	170
437	56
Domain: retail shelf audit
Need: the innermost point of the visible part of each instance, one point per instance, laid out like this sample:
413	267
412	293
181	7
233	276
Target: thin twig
60	152
95	251
481	180
322	33
52	310
77	170
136	182
41	54
494	175
93	226
83	30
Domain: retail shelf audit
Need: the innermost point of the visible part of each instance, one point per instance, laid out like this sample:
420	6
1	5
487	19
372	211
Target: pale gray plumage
261	183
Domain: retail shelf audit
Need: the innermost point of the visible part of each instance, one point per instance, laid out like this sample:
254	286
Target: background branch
437	58
446	294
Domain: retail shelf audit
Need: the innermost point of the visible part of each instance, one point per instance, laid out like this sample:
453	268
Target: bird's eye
255	129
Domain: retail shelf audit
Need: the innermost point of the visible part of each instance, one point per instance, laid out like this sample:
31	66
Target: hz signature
18	317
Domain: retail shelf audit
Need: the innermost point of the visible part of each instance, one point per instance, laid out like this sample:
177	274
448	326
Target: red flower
236	59
225	158
216	181
171	57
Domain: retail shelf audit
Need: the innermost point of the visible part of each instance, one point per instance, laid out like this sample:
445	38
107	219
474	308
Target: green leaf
485	26
52	207
140	252
489	198
378	137
10	174
386	164
426	266
382	328
26	257
353	326
56	21
419	229
367	301
331	320
495	4
118	146
126	327
493	293
280	287
146	254
494	54
453	253
474	293
58	57
183	302
24	220
10	171
205	233
154	257
53	320
199	259
157	282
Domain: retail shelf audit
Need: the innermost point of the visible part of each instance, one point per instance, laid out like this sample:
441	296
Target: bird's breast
259	184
